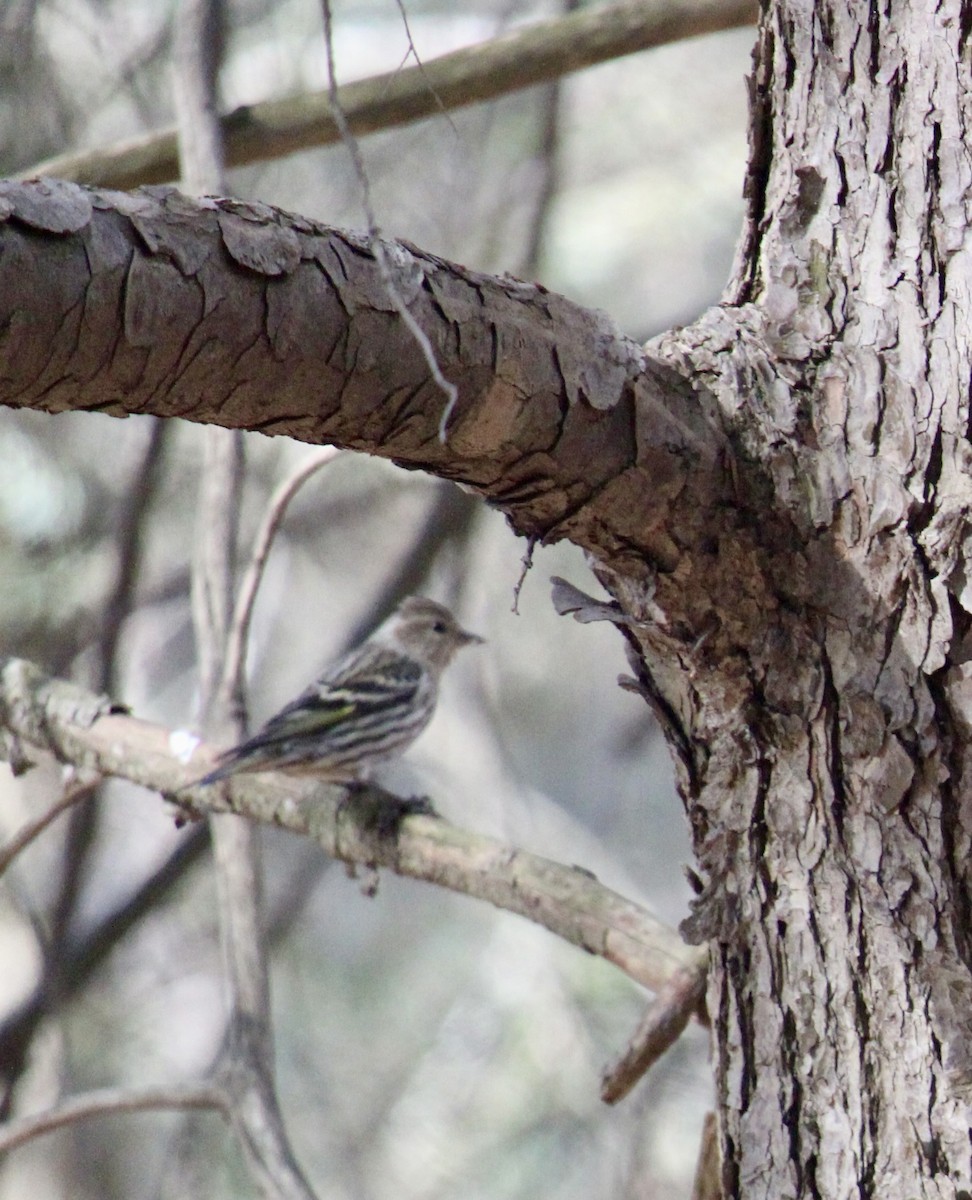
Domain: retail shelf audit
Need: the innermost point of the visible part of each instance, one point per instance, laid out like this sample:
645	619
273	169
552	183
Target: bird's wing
372	676
366	683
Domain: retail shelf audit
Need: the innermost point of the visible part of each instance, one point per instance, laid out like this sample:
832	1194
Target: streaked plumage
368	706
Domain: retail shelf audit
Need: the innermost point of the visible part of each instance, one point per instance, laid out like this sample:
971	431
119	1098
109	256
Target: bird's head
426	632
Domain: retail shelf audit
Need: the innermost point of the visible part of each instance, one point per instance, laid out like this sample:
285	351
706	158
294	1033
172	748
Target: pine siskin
366	707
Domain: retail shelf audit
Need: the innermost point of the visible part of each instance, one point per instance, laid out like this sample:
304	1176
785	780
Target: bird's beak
471	639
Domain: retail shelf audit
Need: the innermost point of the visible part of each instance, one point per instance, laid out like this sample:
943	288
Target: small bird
367	706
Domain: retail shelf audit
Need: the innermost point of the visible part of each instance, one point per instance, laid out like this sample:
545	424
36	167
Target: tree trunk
776	497
824	692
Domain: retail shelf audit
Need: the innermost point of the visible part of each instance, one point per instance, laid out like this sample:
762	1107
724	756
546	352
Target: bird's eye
439	627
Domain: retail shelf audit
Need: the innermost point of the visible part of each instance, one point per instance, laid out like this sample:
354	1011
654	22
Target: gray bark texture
776	498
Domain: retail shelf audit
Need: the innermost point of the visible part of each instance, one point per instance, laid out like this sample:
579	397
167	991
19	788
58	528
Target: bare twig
77	789
521	59
412	52
448	389
109	1101
526	565
232	686
661	1026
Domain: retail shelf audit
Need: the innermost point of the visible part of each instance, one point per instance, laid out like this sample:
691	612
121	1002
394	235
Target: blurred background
428	1046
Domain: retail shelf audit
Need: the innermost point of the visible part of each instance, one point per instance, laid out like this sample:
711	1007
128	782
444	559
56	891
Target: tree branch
74	791
107	1101
78	727
537	54
662	1025
240	315
231	686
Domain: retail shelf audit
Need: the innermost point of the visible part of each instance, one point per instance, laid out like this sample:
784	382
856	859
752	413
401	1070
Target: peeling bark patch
496	420
48	205
809	194
267	249
186	239
39	341
600	374
363	287
631	511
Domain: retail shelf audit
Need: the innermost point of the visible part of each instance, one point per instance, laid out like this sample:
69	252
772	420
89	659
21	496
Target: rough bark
776	497
240	315
834	814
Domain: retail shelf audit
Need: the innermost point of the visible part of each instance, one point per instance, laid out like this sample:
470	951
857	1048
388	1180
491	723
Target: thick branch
537	54
244	316
79	727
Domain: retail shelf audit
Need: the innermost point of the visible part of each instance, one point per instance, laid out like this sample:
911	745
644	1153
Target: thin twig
412	52
526	566
450	391
107	1101
78	789
231	690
